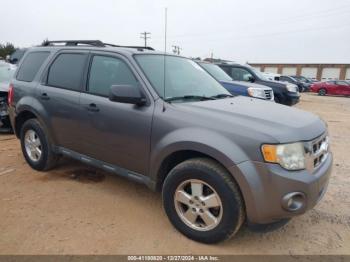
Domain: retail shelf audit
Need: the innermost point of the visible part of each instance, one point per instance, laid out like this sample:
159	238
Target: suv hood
277	122
4	87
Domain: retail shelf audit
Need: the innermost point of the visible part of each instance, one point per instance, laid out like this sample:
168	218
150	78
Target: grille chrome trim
317	152
268	94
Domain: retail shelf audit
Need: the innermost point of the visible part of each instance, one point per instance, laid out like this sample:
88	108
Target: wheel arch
25	112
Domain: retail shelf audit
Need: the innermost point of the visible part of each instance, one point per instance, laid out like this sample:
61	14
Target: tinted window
107	71
31	65
342	83
216	72
286	79
67	71
240	74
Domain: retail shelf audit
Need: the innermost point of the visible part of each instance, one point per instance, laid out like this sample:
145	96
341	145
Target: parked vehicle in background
218	160
334	87
237	87
284	93
271	76
17	55
304	79
302	86
6	72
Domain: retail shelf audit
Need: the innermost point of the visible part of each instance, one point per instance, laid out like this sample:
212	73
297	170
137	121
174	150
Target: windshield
6	73
260	74
216	72
183	77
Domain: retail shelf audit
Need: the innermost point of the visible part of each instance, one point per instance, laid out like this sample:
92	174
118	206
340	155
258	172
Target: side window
240	74
67	71
31	65
342	83
107	71
286	79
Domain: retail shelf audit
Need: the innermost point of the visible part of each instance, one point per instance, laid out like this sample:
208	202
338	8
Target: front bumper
265	185
292	98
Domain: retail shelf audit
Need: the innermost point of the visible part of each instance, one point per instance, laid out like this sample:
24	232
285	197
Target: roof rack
97	43
74	42
131	46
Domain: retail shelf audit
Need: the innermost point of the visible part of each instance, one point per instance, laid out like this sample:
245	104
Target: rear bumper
264	187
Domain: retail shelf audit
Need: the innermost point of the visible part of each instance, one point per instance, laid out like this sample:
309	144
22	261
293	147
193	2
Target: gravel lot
77	210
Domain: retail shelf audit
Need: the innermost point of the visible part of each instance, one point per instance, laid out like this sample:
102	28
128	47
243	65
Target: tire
230	216
47	158
278	100
322	92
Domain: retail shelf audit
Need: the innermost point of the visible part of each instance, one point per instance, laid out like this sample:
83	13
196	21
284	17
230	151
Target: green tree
6	49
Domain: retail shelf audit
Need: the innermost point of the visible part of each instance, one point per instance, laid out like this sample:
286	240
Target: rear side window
67	71
107	71
31	65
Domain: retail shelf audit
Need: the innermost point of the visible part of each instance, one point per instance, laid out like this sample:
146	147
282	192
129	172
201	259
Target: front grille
268	94
318	150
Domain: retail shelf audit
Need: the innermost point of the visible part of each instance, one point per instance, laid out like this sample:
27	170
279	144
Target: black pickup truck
285	93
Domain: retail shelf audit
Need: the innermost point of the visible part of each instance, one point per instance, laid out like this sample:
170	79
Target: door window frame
44	79
140	86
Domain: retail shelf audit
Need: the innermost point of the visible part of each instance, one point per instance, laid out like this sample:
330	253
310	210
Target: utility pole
176	49
145	36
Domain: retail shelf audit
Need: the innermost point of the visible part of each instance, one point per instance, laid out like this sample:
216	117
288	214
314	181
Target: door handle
44	96
92	107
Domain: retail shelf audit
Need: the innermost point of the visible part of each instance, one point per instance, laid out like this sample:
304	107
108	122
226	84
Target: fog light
294	201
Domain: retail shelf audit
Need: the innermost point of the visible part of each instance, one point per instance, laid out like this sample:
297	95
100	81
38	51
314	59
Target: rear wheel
36	147
203	201
322	92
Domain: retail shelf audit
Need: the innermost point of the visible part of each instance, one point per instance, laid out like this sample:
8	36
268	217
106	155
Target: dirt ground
77	210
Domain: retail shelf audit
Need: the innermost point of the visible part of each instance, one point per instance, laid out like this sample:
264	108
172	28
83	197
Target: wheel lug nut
191	202
203	203
201	210
193	209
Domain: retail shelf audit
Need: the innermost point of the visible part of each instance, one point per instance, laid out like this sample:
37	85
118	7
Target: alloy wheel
198	205
32	145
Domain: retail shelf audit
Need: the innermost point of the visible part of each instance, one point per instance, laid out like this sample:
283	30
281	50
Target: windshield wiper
222	96
201	98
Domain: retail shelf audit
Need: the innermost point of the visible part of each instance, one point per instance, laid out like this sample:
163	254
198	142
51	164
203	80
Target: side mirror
127	94
250	78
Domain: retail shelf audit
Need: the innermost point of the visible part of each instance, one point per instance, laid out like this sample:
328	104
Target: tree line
6	49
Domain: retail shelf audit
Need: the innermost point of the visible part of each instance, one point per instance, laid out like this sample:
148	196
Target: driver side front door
115	133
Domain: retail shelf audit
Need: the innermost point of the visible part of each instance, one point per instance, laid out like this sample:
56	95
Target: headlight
292	88
289	156
256	92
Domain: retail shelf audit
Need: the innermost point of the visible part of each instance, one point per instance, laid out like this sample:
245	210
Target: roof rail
131	46
74	42
97	43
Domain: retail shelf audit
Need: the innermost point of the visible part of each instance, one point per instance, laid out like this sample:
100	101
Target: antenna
165	31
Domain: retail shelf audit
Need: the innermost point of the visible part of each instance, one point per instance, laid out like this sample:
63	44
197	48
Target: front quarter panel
172	135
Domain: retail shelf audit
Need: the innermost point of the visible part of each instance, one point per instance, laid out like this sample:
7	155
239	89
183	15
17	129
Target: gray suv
161	120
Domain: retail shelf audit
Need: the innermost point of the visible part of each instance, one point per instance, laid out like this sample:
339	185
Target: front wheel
203	201
322	92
